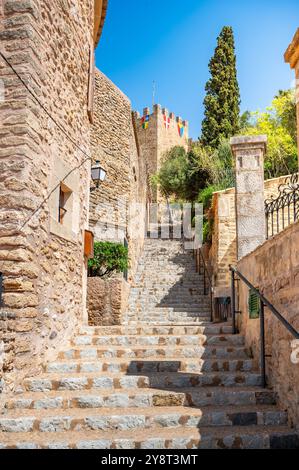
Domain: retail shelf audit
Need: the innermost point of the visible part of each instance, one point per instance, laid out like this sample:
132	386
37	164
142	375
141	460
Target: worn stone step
161	340
141	397
155	310
164	319
138	418
170	365
228	437
169	380
131	320
148	330
219	350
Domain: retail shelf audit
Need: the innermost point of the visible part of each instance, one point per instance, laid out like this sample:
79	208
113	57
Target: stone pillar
249	197
291	56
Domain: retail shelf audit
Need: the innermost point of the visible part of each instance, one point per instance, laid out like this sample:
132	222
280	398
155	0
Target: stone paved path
166	378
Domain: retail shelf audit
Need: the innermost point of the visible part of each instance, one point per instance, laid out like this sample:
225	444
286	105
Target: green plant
278	122
108	258
205	196
222	101
207	229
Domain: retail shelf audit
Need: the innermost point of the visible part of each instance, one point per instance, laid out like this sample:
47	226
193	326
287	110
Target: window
64	195
64	202
253	305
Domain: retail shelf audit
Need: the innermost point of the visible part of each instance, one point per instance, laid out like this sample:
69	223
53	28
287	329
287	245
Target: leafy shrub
108	258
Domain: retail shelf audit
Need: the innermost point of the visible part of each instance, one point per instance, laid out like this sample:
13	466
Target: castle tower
157	133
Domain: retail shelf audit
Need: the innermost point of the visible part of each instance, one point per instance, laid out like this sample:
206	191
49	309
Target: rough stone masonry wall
111	146
48	44
107	299
274	269
118	207
223	250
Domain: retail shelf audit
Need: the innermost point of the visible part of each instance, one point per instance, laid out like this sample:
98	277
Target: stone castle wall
42	262
274	269
158	138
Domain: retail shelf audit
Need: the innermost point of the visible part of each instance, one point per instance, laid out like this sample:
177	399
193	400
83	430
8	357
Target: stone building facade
118	205
292	57
130	149
45	168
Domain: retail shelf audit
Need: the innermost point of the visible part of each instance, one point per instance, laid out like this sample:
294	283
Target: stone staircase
167	379
167	288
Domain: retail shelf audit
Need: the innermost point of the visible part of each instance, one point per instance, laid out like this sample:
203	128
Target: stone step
193	321
138	418
171	365
173	317
159	309
136	289
86	381
147	330
218	350
160	320
228	437
141	397
190	301
161	340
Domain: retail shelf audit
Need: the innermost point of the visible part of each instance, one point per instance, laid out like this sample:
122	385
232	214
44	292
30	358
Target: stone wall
111	146
224	250
158	138
274	269
107	300
42	261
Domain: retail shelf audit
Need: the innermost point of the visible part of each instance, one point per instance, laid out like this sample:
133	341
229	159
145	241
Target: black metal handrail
264	302
283	210
206	276
1	289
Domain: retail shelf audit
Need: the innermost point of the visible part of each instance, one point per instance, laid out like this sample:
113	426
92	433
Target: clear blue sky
171	42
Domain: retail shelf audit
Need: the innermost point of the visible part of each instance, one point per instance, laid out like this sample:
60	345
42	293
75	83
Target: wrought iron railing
201	268
237	276
1	289
283	210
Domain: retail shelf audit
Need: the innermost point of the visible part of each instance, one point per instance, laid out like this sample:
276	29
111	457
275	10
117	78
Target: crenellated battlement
157	133
159	110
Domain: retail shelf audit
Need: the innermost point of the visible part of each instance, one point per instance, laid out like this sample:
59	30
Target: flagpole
154	93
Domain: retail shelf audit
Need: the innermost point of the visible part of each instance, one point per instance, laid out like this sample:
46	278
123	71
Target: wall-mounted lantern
98	174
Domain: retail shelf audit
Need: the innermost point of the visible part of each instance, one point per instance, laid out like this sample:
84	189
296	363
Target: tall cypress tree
222	101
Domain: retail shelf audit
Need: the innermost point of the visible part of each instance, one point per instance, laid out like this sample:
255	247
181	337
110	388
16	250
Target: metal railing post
262	340
233	301
1	288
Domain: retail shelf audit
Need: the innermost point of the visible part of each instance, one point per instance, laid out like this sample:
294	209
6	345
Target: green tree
108	258
182	174
278	122
222	101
